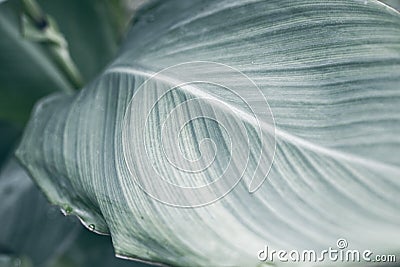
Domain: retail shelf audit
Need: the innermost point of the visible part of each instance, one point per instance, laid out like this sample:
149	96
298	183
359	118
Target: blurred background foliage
92	29
33	232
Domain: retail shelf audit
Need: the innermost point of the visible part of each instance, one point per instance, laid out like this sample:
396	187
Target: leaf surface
330	71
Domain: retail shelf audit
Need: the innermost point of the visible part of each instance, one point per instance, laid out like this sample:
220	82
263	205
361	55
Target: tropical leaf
330	73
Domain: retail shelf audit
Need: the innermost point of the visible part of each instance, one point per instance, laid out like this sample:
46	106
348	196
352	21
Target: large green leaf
330	71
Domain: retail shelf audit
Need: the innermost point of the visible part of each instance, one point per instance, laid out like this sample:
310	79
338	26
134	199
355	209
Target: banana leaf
131	153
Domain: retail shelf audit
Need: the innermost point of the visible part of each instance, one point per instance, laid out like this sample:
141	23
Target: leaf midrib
279	133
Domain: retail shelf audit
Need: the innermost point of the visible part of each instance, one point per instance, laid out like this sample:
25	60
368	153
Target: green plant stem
47	33
67	66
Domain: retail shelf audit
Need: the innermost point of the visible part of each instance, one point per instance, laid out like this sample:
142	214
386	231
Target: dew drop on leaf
92	227
68	209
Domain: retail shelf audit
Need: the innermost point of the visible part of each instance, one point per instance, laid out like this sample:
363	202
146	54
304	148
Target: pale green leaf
330	71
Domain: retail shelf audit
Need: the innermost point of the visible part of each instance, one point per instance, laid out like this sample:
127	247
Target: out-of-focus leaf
9	134
29	225
26	72
92	250
330	71
34	231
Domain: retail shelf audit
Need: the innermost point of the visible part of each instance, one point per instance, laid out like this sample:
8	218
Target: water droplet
253	62
68	209
92	227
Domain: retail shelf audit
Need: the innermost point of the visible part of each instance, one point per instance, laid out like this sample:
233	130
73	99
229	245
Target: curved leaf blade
330	73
